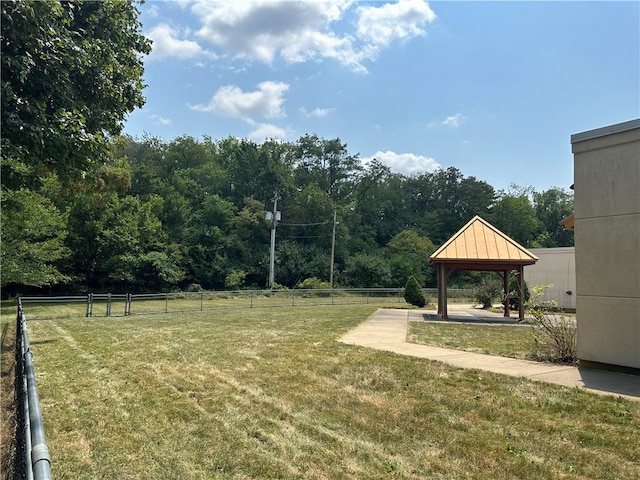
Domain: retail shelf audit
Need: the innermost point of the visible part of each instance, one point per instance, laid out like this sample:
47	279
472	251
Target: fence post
90	305
108	304
201	297
166	303
127	305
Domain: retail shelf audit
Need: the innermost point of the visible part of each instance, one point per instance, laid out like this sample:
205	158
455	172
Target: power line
303	224
304	236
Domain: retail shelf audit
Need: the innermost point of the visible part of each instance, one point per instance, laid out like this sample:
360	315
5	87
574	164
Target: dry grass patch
270	393
515	341
7	382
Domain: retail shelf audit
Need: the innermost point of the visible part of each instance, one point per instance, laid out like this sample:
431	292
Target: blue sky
494	89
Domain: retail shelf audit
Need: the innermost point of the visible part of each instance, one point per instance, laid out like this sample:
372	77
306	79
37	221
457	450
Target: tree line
190	214
84	208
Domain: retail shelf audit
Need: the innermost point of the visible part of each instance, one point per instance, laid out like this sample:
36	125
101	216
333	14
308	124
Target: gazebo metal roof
480	246
480	242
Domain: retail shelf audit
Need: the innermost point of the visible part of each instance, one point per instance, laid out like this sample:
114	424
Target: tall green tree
326	163
445	200
255	170
551	207
33	234
366	270
514	215
382	202
112	238
408	255
71	71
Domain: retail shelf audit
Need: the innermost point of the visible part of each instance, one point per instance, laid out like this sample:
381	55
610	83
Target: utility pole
333	247
274	217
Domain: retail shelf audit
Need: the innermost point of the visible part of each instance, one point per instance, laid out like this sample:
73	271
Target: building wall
555	267
607	243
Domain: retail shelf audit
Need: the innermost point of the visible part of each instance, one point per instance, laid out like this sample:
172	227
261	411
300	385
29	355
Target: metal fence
32	455
112	305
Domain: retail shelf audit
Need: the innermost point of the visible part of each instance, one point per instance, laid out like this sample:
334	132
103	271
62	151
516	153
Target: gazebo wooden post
521	292
443	280
439	274
505	285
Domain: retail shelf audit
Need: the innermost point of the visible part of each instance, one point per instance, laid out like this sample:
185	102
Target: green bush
413	293
487	292
554	336
235	279
194	287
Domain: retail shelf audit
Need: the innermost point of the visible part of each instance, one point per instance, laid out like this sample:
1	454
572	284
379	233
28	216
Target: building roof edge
608	130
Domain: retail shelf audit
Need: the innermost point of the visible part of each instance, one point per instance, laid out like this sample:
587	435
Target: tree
382	202
365	270
70	71
111	238
249	243
326	163
551	207
408	255
413	293
514	215
33	236
445	200
255	170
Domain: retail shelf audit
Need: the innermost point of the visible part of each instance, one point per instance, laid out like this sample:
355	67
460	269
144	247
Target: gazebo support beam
521	292
443	277
505	284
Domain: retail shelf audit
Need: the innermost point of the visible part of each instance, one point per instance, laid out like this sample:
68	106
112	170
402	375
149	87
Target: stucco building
555	268
607	245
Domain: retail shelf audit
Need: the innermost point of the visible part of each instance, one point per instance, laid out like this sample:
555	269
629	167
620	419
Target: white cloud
152	11
405	163
159	120
264	29
267	131
166	44
391	21
299	31
318	112
454	121
231	101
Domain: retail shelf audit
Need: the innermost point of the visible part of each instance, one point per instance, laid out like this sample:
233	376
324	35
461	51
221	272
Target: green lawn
515	341
270	393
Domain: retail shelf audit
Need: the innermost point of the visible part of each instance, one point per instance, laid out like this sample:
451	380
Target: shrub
195	287
554	336
486	293
235	279
413	293
314	283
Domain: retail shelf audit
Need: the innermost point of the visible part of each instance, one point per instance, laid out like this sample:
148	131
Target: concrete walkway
387	330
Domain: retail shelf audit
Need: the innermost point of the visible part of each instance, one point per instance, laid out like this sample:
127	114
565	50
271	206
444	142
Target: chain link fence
116	305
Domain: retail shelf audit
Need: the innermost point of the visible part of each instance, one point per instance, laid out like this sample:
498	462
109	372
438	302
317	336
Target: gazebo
481	246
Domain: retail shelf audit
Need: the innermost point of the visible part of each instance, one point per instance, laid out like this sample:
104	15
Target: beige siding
607	238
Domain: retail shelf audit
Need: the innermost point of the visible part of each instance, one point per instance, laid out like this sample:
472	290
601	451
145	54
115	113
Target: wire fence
32	461
117	305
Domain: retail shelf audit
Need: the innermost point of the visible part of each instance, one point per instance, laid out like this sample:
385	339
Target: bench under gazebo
480	246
